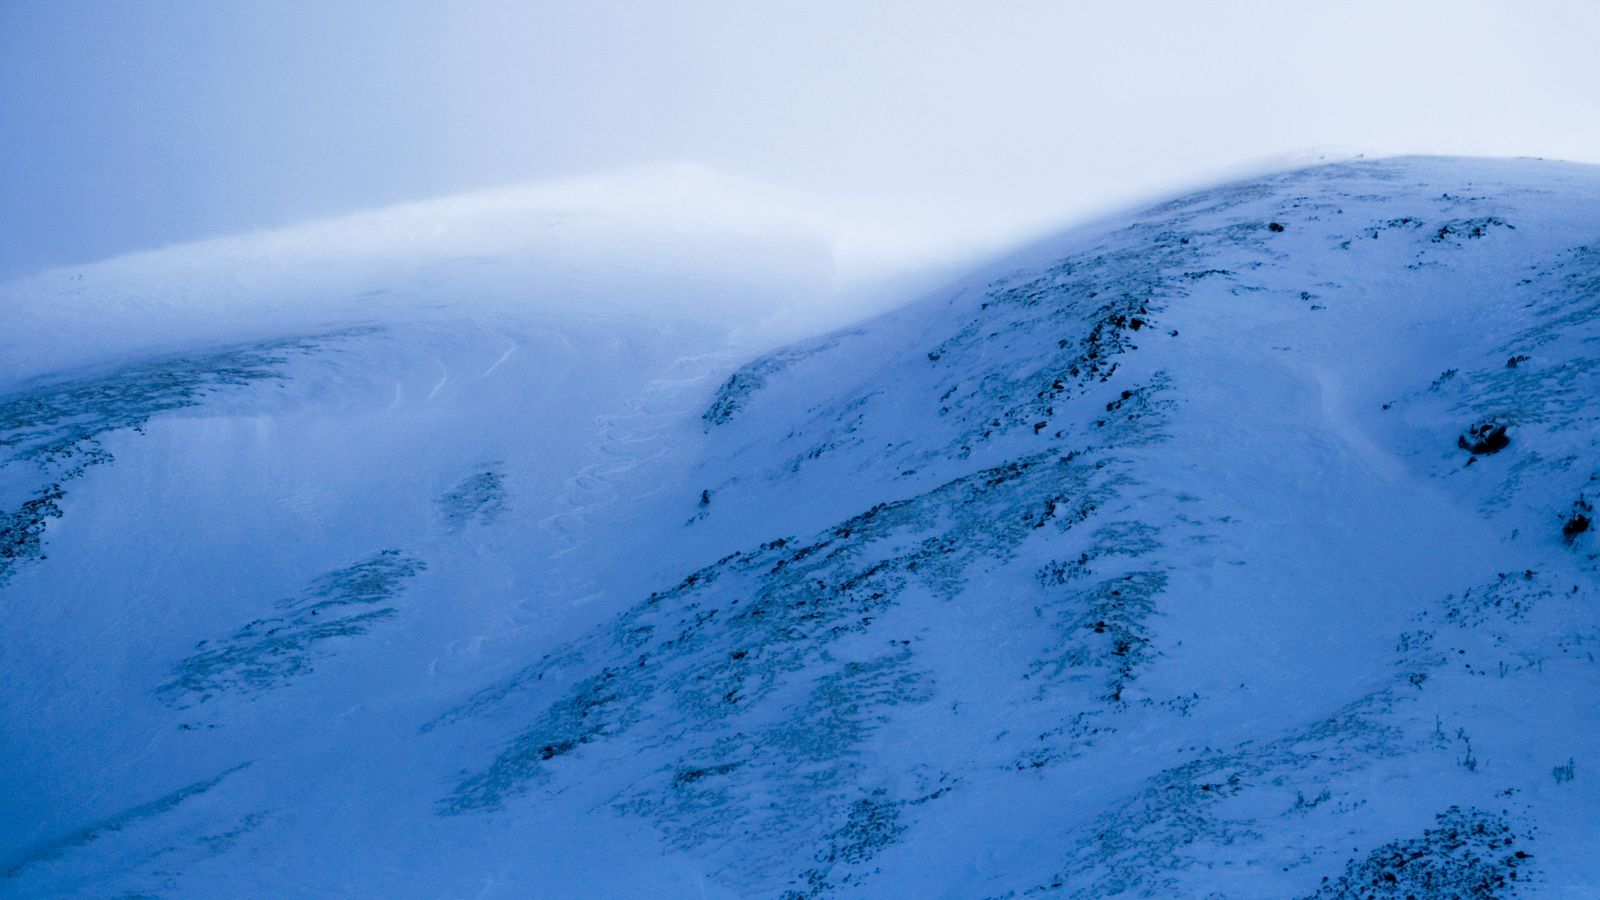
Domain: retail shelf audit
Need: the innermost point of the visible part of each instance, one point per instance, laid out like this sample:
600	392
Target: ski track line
510	351
444	378
629	441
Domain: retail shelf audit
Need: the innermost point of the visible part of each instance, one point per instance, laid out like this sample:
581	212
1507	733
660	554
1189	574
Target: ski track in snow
628	441
504	357
444	378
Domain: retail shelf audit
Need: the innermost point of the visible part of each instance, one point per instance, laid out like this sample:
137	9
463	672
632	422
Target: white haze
920	125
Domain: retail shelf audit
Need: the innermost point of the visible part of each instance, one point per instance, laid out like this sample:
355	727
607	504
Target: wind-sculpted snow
50	435
122	821
274	651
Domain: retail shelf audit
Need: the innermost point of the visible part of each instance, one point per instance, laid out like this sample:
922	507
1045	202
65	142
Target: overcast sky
129	125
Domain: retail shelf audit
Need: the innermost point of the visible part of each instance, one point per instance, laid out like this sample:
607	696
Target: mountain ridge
1166	557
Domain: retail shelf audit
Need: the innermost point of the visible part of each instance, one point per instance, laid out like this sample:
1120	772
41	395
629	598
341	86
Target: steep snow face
1237	547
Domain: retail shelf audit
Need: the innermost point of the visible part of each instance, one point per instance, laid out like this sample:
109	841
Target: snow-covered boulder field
1237	546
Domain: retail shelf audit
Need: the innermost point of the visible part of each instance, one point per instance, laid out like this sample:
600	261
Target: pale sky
133	125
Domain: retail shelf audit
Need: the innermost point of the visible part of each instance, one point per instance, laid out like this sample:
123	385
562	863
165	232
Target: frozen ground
1234	547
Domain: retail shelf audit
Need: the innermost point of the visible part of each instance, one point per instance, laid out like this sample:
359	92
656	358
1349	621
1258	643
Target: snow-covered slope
1236	547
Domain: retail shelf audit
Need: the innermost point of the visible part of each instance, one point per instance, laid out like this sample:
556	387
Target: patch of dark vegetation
1094	363
479	498
1073	322
1484	439
1104	627
1469	855
22	531
1566	772
1407	223
59	423
270	652
871	825
738	389
686	777
1064	742
1469	229
1182	819
1510	597
1136	403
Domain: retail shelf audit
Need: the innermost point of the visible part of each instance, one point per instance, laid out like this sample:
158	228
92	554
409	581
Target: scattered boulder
1579	521
1484	439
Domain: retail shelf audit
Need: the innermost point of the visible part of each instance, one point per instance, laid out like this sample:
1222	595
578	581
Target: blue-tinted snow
1154	560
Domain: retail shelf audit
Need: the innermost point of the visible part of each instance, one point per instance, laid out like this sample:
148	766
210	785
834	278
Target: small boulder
1484	438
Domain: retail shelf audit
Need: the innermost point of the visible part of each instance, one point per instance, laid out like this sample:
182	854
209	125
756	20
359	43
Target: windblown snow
1239	546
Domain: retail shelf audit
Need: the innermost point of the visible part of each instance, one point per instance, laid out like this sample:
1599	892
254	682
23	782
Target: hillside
1238	546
